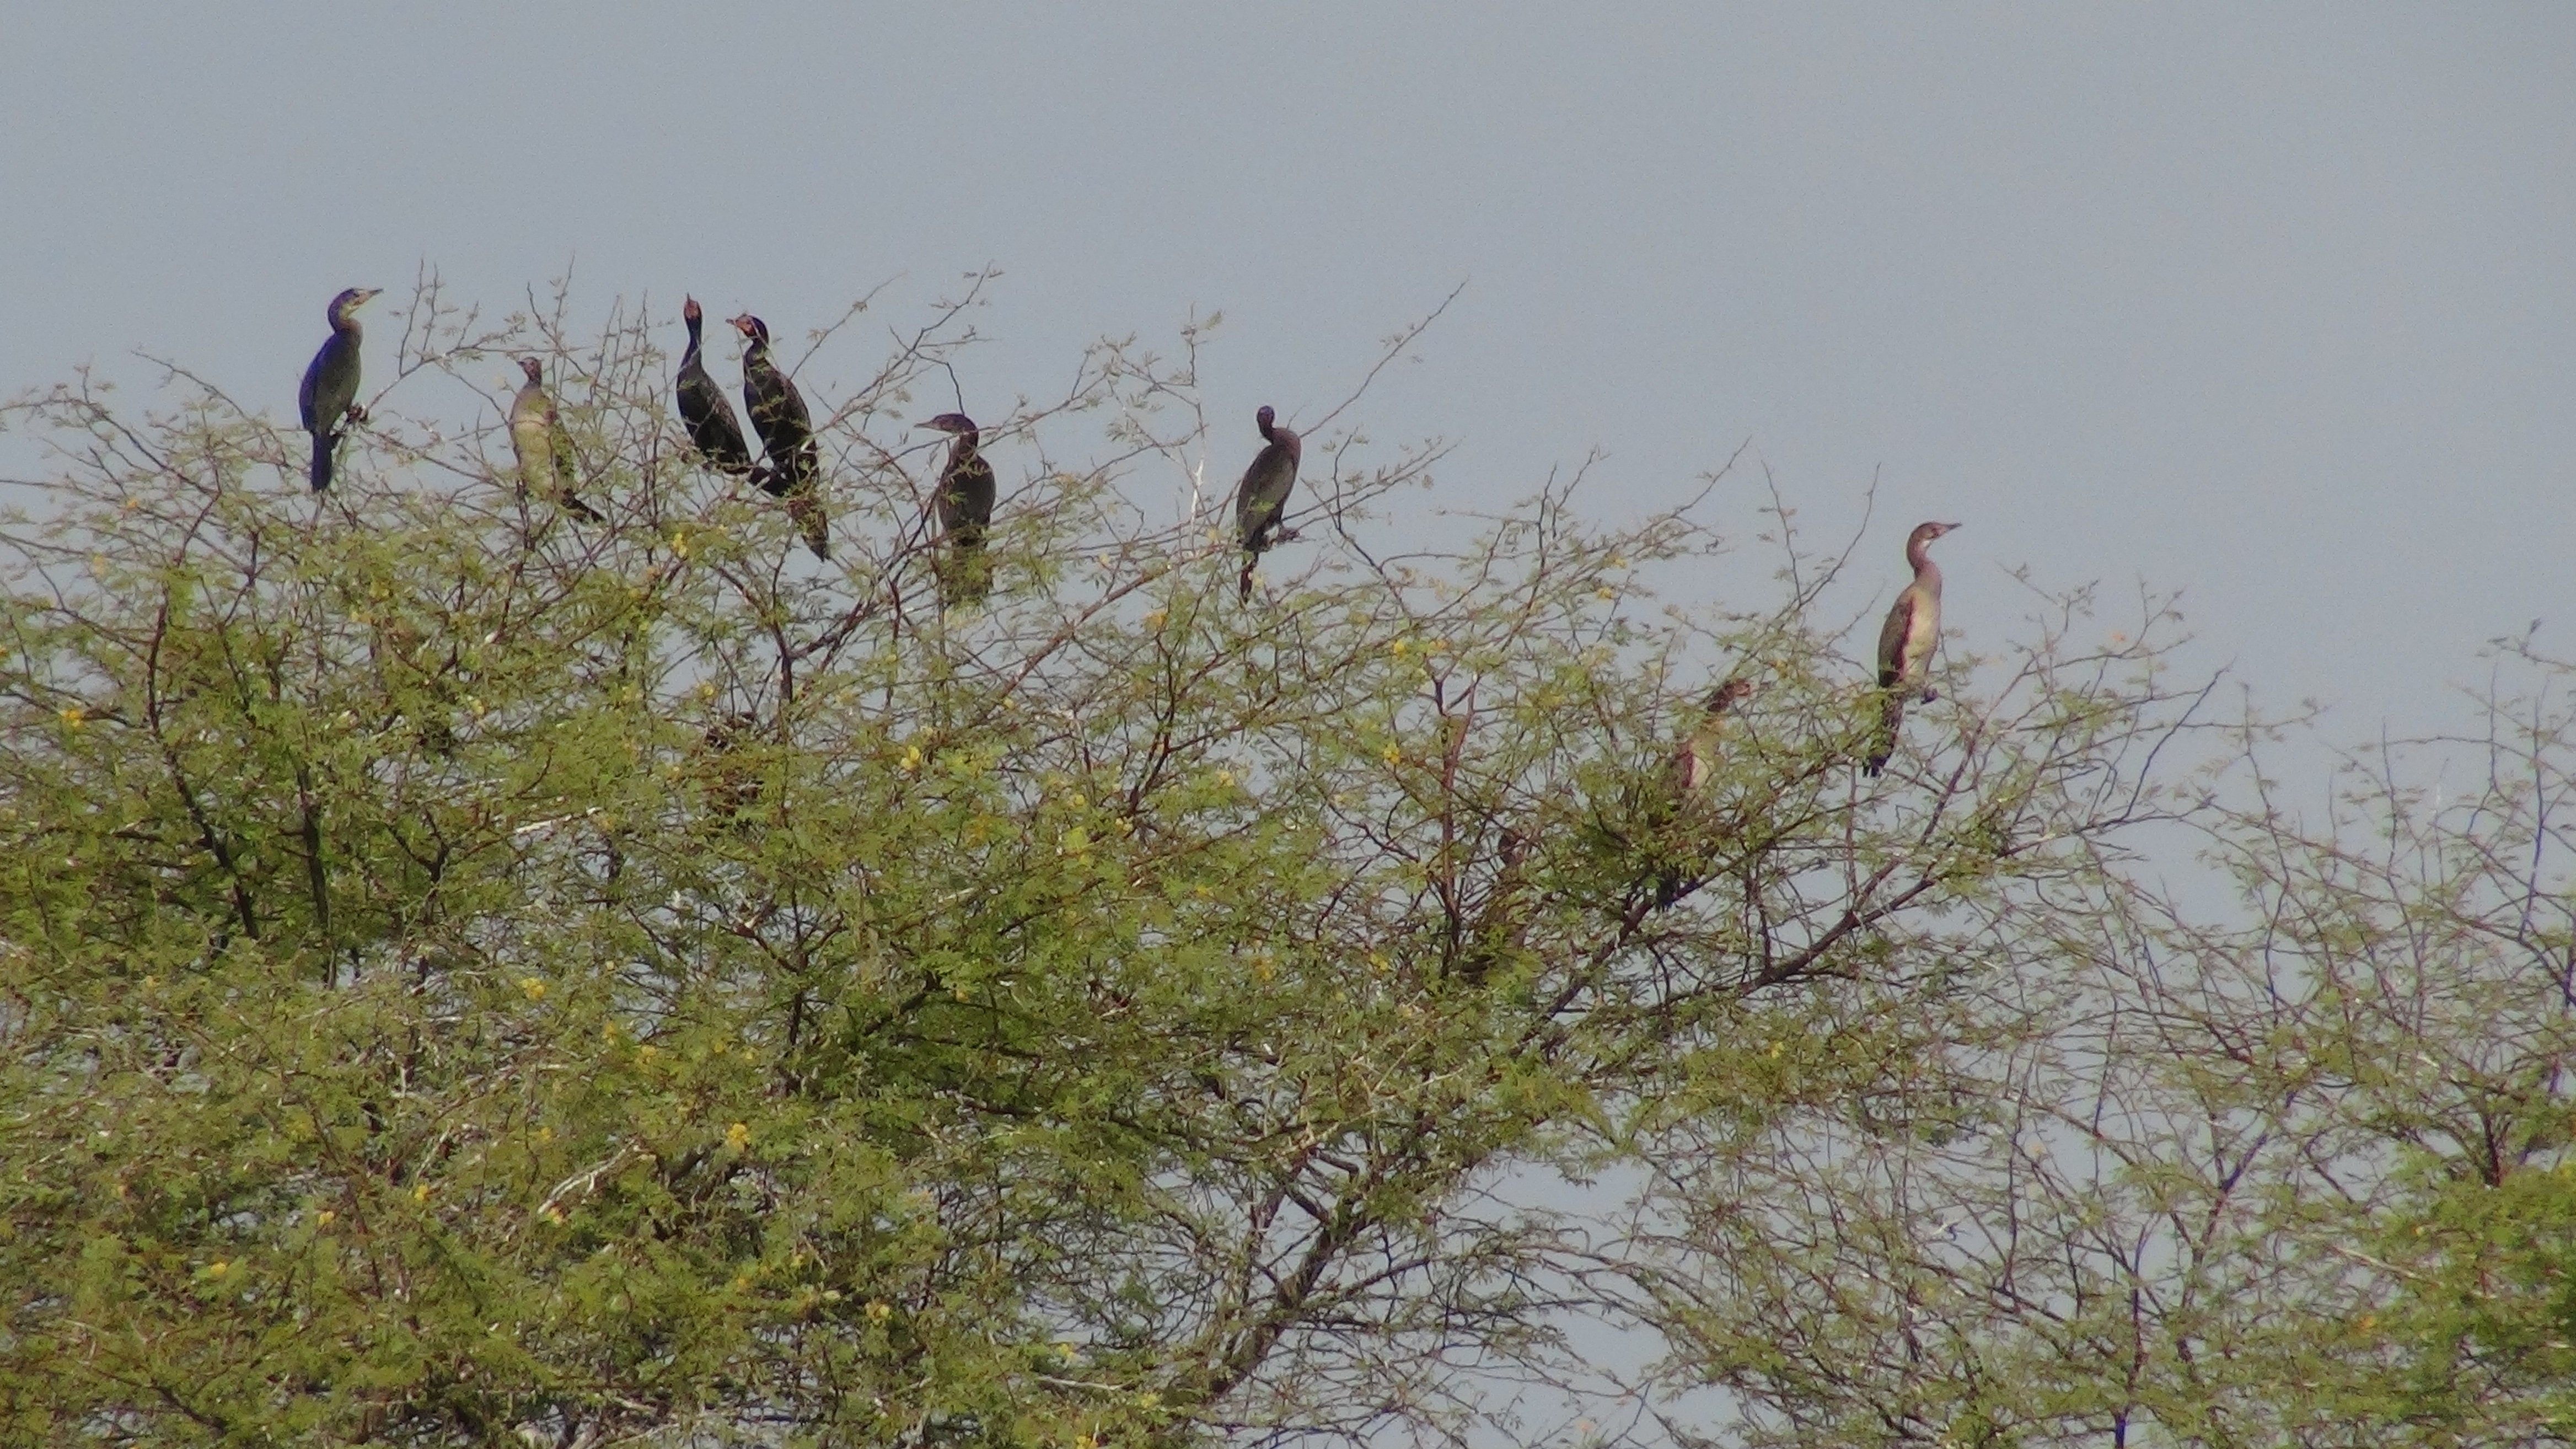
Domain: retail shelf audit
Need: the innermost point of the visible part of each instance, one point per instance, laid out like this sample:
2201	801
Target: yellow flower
738	1136
536	989
420	1192
325	1218
218	1268
1393	754
879	1311
911	758
73	715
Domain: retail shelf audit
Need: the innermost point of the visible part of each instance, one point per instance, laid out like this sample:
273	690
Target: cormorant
1695	763
965	505
1263	497
1676	827
545	449
703	407
1906	641
787	433
330	391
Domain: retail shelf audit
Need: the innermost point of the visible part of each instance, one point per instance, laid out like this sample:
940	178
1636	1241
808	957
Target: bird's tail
324	440
1882	746
806	507
965	575
567	482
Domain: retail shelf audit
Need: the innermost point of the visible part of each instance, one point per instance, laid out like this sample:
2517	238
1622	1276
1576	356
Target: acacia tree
476	976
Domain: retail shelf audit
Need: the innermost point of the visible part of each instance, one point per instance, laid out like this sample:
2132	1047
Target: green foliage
473	976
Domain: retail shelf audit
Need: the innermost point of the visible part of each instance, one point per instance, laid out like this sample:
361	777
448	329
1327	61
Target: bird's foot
1930	695
1285	535
357	413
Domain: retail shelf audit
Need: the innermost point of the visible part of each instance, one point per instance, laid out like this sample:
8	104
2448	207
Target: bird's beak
370	295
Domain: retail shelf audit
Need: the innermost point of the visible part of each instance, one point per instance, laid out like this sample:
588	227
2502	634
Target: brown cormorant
1906	641
544	448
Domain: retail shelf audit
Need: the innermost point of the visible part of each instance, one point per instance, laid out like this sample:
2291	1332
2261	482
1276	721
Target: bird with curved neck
1677	827
964	502
703	409
330	391
1695	763
544	448
786	434
1906	641
1262	499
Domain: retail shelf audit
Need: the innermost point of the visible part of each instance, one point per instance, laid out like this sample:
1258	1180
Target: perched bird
545	449
1676	829
330	391
1695	763
965	505
732	784
1501	925
786	433
1262	500
1906	641
703	407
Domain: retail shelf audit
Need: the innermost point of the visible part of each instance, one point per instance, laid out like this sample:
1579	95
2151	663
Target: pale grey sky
2273	306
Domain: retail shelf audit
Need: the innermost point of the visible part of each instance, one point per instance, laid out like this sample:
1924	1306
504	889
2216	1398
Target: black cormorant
1263	497
787	434
965	506
330	391
703	407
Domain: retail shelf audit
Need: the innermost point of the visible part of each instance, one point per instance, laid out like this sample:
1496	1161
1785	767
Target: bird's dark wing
1891	640
711	422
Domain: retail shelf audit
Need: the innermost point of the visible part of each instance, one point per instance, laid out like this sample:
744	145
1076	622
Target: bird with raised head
964	503
786	434
1261	501
544	448
1906	642
329	396
1695	762
709	418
